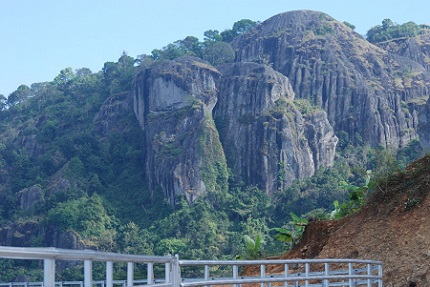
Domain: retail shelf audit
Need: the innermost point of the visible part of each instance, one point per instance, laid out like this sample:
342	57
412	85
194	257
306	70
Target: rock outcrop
424	125
299	79
267	140
33	233
415	48
173	102
30	197
360	86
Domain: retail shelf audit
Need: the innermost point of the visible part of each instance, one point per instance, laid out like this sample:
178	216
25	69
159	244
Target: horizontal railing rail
193	273
71	254
100	283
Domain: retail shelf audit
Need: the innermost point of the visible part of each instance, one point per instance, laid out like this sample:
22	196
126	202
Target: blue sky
38	38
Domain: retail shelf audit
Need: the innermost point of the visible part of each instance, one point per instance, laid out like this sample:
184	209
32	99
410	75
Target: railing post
262	273
109	274
167	272
380	275
326	273
235	273
175	272
307	274
286	271
206	274
150	273
49	272
350	273
369	273
88	273
130	274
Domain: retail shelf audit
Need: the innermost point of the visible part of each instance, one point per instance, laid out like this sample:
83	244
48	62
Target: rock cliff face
267	140
173	102
415	48
363	89
299	79
29	197
424	125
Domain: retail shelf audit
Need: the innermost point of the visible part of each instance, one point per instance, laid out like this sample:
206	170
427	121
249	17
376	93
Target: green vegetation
389	30
291	232
349	25
214	48
252	248
357	197
91	173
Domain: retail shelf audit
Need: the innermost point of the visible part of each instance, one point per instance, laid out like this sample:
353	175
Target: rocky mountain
299	79
366	91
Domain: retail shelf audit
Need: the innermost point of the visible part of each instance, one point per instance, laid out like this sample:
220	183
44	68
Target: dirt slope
393	227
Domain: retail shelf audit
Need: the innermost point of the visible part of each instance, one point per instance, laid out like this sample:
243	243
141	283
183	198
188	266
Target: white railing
290	273
50	255
287	273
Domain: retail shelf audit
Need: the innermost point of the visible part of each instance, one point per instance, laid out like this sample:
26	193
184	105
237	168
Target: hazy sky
38	38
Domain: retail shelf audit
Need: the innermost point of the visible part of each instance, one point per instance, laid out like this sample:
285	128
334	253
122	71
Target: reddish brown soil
394	227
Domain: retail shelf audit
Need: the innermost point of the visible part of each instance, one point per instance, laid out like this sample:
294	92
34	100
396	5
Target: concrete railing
191	273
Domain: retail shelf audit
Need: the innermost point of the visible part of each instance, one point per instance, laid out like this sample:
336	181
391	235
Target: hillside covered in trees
191	148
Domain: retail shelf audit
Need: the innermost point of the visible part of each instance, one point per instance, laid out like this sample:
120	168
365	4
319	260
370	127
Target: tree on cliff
217	53
64	79
119	76
239	28
389	30
19	96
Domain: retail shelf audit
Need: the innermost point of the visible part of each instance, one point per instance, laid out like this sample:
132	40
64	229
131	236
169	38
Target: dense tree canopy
214	48
389	30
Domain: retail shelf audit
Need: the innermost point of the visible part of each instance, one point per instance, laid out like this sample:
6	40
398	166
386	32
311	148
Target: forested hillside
191	148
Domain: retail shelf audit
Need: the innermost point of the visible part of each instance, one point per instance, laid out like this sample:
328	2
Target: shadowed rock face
29	197
267	140
360	86
424	125
173	102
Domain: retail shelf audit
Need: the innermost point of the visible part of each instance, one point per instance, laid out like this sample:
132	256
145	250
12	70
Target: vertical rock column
173	102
